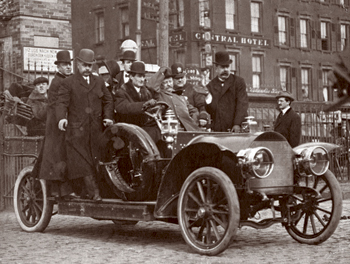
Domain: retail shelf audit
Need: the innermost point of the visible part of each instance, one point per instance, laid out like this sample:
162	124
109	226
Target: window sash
284	78
282	30
305	84
303	33
255	16
324	30
204	20
230	14
100	27
343	36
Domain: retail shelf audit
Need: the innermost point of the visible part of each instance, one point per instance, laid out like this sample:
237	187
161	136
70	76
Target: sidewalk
345	187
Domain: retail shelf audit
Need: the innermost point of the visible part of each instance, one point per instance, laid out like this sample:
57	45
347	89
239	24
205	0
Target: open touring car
209	183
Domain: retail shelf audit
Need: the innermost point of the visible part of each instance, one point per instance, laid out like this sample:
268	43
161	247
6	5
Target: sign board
193	75
40	59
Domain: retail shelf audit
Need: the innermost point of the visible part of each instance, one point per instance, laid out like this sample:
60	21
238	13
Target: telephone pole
164	33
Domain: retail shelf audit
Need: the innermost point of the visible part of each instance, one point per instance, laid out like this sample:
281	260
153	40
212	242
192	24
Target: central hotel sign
232	39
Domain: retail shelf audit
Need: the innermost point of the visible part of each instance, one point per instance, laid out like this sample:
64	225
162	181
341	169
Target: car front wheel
208	211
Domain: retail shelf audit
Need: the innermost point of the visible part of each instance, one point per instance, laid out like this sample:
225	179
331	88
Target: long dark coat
85	106
38	102
53	165
182	109
230	102
129	104
289	125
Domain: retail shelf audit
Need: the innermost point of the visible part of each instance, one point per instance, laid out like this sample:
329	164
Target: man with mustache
227	100
84	106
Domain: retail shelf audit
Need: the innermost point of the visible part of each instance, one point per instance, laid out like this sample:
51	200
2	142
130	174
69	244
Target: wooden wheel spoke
324	200
306	221
201	191
313	225
215	229
208	235
300	217
194	198
297	198
200	232
25	208
323	189
316	182
320	219
222	212
209	198
219	221
323	210
38	207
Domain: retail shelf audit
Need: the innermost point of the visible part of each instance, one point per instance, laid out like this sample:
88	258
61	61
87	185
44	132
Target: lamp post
164	33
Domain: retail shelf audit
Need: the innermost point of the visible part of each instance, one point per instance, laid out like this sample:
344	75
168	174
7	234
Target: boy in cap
288	122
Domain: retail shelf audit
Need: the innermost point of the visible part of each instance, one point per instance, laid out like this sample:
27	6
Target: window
255	16
305	83
304	33
124	16
179	56
204	14
256	61
176	14
282	30
230	14
233	66
325	35
327	91
285	78
343	36
100	27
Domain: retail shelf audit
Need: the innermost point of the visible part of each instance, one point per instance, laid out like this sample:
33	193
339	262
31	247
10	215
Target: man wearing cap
133	98
162	84
288	122
127	59
38	101
227	101
84	105
53	162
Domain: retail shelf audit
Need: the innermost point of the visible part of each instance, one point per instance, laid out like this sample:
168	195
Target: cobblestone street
70	239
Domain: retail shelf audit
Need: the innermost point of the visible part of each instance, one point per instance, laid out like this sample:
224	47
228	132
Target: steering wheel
157	111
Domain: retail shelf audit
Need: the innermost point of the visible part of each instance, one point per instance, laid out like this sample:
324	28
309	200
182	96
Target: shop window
255	19
176	14
231	14
124	22
99	27
204	13
257	71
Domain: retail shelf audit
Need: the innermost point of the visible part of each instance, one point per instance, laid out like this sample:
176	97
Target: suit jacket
289	125
128	104
230	102
85	106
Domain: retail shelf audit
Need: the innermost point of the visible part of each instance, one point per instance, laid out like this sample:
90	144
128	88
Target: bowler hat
128	55
178	70
137	67
112	67
63	56
222	58
286	95
40	80
86	56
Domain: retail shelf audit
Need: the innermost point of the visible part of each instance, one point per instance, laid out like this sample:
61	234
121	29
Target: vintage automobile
209	183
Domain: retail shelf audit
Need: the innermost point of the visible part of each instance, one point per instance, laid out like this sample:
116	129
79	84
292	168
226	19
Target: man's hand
149	103
236	129
107	122
62	124
208	98
203	118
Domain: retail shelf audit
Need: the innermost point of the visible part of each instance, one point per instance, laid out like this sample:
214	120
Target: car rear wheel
32	208
208	211
316	217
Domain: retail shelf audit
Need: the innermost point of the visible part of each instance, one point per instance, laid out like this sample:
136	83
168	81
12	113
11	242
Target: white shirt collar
285	110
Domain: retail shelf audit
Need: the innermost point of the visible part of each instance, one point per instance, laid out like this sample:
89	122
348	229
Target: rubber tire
331	226
226	185
36	224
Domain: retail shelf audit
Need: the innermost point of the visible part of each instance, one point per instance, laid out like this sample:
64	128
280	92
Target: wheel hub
204	211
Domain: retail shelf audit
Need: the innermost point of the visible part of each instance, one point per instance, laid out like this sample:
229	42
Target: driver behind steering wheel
133	98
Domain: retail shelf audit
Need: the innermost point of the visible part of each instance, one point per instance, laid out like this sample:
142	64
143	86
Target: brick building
274	44
31	32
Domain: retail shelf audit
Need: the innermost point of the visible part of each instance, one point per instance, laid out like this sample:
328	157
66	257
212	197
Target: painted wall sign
40	59
232	39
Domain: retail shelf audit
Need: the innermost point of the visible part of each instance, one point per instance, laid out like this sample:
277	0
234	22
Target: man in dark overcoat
53	166
288	122
227	101
127	59
84	105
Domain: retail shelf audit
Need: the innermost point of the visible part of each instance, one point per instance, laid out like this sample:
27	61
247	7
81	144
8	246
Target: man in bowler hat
288	122
53	164
84	106
127	59
227	100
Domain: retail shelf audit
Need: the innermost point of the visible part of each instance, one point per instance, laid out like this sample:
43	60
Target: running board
108	209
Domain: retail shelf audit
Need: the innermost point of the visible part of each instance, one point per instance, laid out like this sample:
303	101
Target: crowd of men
78	107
